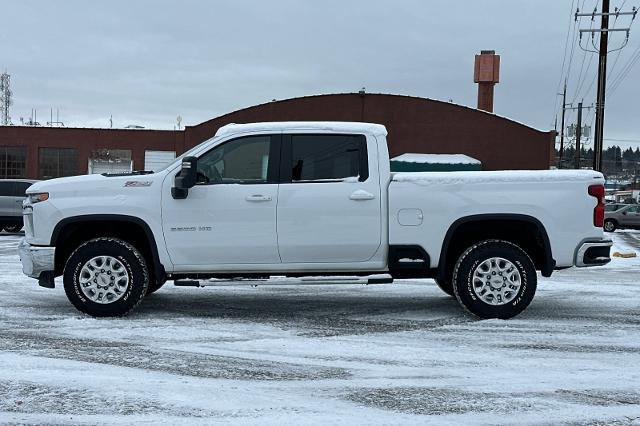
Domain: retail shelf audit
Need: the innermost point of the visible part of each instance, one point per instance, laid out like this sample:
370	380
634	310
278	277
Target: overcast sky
146	62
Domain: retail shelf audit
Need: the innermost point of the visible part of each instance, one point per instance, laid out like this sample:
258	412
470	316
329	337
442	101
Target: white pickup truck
301	199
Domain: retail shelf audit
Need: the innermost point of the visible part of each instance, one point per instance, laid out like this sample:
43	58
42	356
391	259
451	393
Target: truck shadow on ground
335	313
326	314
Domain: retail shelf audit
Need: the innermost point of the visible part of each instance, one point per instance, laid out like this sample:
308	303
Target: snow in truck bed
500	176
436	159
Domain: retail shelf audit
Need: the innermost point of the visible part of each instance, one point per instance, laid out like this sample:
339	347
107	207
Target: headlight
36	198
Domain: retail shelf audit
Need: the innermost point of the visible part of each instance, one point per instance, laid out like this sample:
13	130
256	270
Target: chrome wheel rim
104	279
608	226
496	281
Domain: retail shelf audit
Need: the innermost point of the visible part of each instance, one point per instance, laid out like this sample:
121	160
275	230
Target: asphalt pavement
338	354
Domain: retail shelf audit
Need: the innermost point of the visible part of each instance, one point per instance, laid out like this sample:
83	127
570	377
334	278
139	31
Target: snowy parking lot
385	354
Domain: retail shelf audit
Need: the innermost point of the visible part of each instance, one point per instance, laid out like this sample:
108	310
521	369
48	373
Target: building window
57	162
13	162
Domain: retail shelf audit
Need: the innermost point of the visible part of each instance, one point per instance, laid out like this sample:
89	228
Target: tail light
598	211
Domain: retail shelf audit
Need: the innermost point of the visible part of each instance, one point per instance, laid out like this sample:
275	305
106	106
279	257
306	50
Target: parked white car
310	199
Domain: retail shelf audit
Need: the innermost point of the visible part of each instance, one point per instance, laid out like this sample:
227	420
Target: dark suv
12	194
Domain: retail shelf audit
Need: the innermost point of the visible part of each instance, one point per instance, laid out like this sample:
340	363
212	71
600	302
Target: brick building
416	125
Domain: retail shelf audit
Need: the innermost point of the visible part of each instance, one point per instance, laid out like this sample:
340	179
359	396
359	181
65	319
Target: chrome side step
280	280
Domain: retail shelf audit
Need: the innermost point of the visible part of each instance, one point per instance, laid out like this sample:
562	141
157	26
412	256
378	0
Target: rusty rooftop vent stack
486	74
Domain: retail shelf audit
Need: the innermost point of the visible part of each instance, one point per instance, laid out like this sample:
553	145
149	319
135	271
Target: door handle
258	197
361	195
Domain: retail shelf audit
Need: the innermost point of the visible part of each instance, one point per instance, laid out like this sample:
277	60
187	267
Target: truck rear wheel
155	285
494	279
106	277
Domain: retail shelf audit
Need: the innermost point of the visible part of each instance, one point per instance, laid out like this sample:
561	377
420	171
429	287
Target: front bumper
593	253
37	262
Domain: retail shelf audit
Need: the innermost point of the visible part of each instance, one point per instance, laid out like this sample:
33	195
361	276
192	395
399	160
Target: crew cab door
329	204
229	216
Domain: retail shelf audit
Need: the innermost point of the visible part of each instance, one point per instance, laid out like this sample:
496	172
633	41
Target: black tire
473	257
13	227
134	266
610	225
445	285
155	285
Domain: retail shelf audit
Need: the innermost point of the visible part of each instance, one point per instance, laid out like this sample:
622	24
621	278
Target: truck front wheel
106	277
494	279
445	285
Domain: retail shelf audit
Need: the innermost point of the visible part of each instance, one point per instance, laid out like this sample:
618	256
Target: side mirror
186	179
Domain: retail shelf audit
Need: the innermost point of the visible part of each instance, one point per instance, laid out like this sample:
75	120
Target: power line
625	70
619	51
622	140
581	82
582	79
602	50
570	27
566	43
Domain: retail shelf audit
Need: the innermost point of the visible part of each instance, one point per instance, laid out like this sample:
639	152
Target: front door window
241	161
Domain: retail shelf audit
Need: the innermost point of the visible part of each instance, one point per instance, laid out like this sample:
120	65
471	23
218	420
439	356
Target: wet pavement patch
174	362
25	397
587	348
437	401
598	397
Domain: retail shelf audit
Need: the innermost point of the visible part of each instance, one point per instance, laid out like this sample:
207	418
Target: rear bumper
36	260
593	253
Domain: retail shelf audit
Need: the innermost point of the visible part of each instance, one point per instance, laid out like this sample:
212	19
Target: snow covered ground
386	354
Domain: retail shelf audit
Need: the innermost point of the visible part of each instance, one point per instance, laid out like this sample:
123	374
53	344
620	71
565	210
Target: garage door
157	160
110	166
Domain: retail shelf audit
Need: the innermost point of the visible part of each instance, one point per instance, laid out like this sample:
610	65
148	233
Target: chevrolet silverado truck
310	199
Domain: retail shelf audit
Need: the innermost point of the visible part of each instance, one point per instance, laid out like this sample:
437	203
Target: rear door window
328	157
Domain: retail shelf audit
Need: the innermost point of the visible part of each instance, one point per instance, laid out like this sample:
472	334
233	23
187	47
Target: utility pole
602	51
578	135
602	84
564	105
578	131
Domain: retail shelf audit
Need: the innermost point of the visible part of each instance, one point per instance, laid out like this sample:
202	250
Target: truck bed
429	203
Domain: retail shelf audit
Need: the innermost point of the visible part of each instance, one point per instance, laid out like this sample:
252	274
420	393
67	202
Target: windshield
186	154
